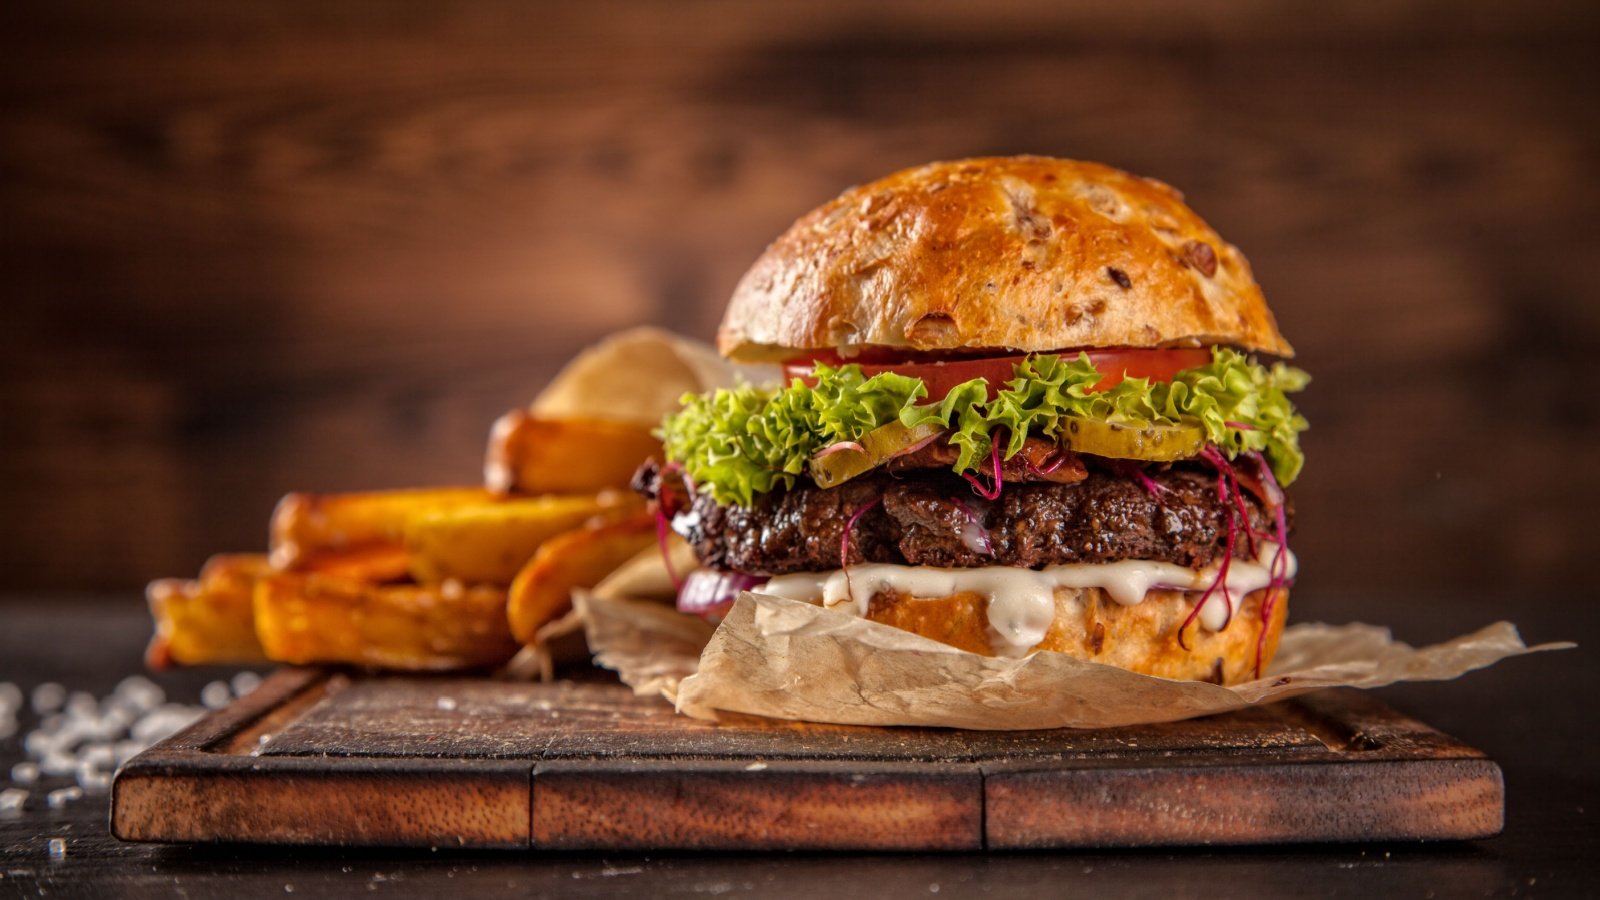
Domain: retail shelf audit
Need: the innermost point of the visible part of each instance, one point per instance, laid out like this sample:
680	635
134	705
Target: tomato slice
942	375
1156	365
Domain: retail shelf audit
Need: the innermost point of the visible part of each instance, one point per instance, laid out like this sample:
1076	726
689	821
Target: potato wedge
325	619
234	571
537	455
305	526
209	621
488	543
375	563
542	591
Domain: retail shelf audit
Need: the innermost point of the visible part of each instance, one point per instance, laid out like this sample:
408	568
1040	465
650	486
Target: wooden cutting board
319	757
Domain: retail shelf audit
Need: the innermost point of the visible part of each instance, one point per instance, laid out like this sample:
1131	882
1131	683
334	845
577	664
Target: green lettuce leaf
738	443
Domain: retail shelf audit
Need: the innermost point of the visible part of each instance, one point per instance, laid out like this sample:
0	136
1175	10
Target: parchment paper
638	376
791	660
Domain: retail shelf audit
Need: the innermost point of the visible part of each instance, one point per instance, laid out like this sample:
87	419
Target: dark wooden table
1535	716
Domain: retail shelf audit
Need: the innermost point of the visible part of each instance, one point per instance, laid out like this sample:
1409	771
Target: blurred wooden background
254	246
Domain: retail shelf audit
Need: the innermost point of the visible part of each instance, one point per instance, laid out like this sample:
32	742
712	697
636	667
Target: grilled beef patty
934	518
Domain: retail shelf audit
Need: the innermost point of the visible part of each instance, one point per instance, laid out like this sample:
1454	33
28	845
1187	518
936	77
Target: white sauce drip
1022	601
976	539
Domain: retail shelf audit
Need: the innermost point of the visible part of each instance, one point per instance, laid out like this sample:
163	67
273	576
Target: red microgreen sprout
1211	455
844	542
1279	568
991	493
664	510
1130	469
1054	461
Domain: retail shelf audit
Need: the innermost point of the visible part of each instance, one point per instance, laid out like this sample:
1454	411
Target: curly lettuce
738	443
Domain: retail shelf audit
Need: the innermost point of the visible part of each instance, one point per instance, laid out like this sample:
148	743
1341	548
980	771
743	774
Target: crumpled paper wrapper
786	659
639	376
632	626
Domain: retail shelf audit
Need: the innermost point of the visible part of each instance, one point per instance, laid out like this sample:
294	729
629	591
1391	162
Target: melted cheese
1022	601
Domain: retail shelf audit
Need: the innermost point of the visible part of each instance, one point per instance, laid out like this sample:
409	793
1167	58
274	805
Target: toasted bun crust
1090	626
1020	253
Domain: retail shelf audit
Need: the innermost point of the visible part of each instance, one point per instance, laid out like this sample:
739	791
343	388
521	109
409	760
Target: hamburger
1030	404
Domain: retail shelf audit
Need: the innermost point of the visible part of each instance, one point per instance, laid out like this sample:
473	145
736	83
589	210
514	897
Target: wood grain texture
318	758
1448	799
254	247
741	804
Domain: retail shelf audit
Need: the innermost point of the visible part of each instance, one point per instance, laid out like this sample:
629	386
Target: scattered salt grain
40	742
122	751
97	755
139	692
216	695
55	764
48	697
82	705
245	682
86	738
58	848
93	780
11	800
165	721
446	703
60	797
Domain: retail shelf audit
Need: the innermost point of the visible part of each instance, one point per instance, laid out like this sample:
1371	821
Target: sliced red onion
708	594
1240	426
673	468
918	445
664	513
838	447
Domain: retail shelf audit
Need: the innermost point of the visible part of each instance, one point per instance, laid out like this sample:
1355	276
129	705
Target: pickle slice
877	447
1119	440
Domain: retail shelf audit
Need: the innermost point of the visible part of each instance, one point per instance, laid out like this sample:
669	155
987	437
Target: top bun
1022	253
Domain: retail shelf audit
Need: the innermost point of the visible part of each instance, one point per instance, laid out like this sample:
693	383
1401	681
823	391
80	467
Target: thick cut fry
234	571
209	621
564	456
488	543
306	526
324	619
579	559
377	563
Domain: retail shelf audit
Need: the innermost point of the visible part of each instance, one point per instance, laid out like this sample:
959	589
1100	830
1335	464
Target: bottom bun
1091	626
